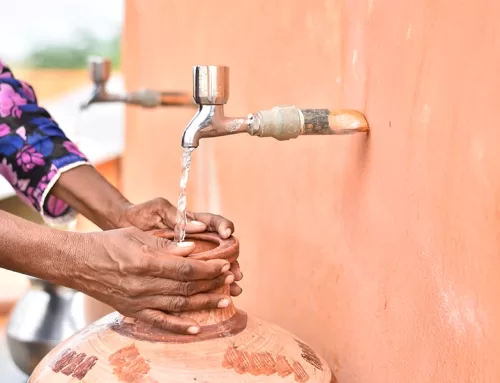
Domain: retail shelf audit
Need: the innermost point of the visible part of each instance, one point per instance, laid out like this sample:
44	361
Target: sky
26	23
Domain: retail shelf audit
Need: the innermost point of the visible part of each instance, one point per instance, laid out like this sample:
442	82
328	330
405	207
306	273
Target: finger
186	269
178	303
167	322
164	210
147	215
235	269
160	286
203	286
152	213
160	224
166	246
193	226
235	289
167	211
216	223
182	249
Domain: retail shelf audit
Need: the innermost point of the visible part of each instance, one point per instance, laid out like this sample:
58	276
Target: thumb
166	246
182	249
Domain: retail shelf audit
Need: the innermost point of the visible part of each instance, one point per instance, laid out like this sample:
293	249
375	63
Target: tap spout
210	121
100	95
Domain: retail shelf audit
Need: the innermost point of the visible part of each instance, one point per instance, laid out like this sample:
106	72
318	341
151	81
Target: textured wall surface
382	252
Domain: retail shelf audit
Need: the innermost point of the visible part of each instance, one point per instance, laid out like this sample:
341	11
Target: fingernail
197	223
223	303
226	268
184	244
193	330
229	279
228	233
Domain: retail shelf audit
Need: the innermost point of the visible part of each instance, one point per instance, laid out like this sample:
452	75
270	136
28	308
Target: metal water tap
100	70
211	93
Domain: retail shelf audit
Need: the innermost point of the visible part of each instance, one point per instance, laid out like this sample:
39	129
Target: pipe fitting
281	122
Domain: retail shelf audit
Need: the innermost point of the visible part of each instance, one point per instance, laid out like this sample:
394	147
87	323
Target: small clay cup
208	245
213	323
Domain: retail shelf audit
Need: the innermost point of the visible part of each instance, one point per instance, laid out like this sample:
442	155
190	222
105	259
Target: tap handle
210	84
99	69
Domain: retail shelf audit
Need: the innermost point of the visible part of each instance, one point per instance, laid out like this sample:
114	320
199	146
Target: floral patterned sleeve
34	151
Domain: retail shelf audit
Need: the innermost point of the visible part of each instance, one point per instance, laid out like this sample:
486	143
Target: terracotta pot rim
227	249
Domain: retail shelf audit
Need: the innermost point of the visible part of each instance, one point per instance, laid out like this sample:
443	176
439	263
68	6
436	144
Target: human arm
36	156
89	193
141	276
44	167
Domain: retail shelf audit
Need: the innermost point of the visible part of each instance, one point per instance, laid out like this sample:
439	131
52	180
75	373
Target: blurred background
47	44
60	34
382	251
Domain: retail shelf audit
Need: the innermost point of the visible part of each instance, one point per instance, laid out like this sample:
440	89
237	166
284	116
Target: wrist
114	214
120	217
90	194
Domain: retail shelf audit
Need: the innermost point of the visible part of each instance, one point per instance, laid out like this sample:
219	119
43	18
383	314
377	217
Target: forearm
89	193
38	250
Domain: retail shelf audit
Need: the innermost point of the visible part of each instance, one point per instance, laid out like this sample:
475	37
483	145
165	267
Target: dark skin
141	276
140	287
161	214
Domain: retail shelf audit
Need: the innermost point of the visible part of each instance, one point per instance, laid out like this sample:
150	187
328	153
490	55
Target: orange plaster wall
383	253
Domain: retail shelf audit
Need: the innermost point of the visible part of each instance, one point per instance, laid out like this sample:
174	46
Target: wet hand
146	277
161	214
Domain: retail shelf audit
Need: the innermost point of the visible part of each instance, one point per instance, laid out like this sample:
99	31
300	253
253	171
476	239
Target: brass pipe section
211	93
287	122
99	72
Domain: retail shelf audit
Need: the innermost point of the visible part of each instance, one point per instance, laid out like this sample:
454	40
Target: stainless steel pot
46	315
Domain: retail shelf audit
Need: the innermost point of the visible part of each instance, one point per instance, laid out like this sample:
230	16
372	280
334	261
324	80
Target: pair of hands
146	277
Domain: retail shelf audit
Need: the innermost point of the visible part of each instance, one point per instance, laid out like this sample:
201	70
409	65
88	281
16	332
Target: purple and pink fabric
34	151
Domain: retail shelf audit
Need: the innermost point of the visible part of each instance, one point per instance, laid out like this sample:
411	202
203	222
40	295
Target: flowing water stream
180	226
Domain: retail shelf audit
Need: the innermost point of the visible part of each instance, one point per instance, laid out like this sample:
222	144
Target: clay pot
230	347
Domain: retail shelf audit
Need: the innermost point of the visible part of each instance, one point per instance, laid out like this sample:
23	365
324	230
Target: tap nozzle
211	93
